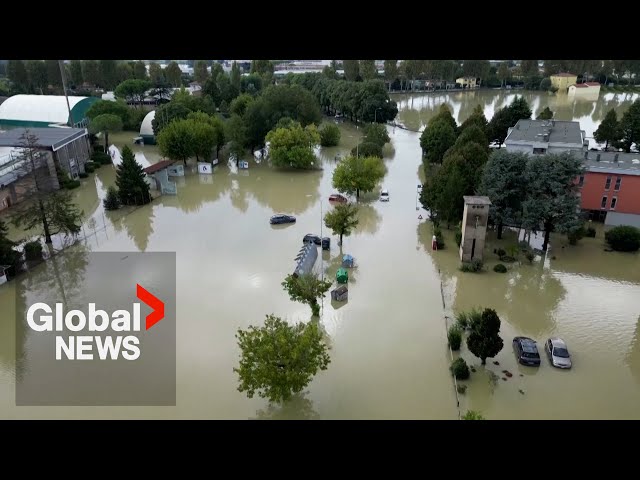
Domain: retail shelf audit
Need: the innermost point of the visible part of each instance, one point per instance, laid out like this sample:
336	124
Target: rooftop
47	138
473	200
528	131
612	162
156	167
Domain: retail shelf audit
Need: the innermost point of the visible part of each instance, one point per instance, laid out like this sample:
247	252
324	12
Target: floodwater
389	358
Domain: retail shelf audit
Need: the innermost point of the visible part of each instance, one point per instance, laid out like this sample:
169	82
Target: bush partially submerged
623	238
329	135
473	415
460	369
439	239
33	250
590	232
500	268
476	265
454	336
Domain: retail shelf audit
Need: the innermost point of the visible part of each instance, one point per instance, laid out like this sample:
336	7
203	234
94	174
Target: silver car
558	353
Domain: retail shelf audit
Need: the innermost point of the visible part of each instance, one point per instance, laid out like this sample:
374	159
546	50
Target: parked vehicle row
526	351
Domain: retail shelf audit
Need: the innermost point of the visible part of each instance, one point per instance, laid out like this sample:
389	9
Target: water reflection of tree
284	191
238	196
194	194
139	226
368	219
298	408
633	355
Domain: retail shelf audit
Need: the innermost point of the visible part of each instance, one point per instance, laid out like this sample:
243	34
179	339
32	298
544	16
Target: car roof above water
528	344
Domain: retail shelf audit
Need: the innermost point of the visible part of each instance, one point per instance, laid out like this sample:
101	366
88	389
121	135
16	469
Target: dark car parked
526	351
282	218
311	238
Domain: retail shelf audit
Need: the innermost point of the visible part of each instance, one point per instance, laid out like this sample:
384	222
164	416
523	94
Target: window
581	181
614	201
603	204
618	182
539	151
607	185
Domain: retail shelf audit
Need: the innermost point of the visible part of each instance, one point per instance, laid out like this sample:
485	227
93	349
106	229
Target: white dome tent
146	129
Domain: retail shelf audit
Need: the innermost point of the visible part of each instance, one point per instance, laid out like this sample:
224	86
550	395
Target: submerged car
336	197
384	196
282	218
311	238
558	353
526	351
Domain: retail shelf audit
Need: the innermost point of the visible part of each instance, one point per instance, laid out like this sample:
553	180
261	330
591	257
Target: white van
384	196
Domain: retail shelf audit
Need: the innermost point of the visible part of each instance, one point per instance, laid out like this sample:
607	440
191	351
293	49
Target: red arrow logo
154	302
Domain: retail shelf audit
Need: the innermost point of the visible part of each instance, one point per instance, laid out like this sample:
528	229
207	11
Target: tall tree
351	70
552	203
107	106
504	182
293	146
173	74
140	70
356	174
8	255
503	74
53	73
342	219
176	140
130	180
203	137
484	340
279	360
307	288
436	139
53	212
477	118
108	74
235	76
529	68
390	71
545	114
630	127
262	67
609	130
506	118
17	74
37	72
368	69
200	71
106	123
75	68
156	75
240	103
376	133
167	113
91	72
133	90
236	133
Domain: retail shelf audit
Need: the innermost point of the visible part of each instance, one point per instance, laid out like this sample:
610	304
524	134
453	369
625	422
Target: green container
342	276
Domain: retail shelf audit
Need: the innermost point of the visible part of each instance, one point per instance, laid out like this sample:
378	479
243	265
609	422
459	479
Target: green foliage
177	140
251	84
630	127
351	69
329	135
474	266
609	131
101	158
133	90
508	258
307	288
367	149
167	113
368	69
500	268
203	138
376	133
545	114
112	200
291	101
89	168
236	132
106	123
102	107
506	118
458	236
484	340
240	103
439	238
623	238
134	119
476	119
70	184
342	219
8	255
33	250
473	415
472	134
454	337
83	175
356	174
460	369
436	139
279	360
293	146
200	72
576	234
173	74
590	232
501	252
130	180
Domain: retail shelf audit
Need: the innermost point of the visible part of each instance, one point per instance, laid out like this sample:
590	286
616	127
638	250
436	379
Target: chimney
598	158
615	159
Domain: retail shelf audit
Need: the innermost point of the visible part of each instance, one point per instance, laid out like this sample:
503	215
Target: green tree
167	113
234	76
251	84
472	134
8	255
240	103
356	174
130	180
17	74
546	114
529	68
519	109
106	123
112	200
279	360
124	71
623	238
506	118
351	69
133	90
200	71
291	101
236	133
551	203
75	68
173	74
108	74
609	130
53	212
477	118
156	75
342	219
504	73
484	340
329	135
376	133
218	134
102	107
368	69
203	137
444	113
473	415
390	71
630	127
91	72
37	73
53	73
367	149
307	288
176	140
504	182
293	146
140	70
436	139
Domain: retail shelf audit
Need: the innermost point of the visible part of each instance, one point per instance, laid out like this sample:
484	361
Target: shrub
462	389
454	336
134	119
623	238
367	149
590	232
329	135
473	415
530	256
98	149
101	158
33	250
458	237
88	167
474	266
95	165
462	320
460	369
575	234
71	184
500	252
500	268
439	239
83	175
507	259
111	201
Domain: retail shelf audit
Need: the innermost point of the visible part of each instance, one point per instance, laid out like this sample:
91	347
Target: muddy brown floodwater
389	358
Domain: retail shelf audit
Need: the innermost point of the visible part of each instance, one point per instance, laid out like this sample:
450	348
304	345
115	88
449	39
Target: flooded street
389	357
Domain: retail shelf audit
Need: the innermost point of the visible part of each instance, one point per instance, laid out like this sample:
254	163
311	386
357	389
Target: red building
610	187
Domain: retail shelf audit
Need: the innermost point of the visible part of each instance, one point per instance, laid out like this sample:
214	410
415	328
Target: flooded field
389	358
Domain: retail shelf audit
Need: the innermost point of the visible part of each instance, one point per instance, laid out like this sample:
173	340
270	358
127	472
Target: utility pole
64	87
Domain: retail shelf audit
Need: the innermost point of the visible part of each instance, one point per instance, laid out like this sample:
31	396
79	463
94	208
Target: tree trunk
315	308
484	360
357	194
340	238
45	222
500	230
547	234
106	141
184	160
606	145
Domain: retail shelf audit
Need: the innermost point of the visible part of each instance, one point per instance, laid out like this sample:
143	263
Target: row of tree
623	134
